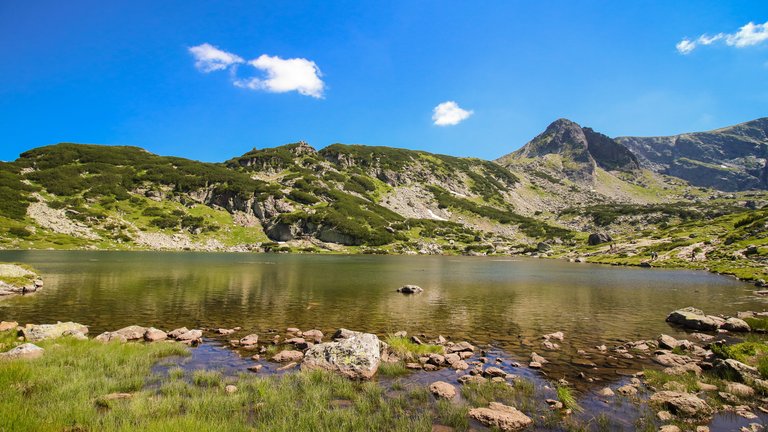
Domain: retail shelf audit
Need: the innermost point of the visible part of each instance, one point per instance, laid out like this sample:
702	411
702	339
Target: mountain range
564	183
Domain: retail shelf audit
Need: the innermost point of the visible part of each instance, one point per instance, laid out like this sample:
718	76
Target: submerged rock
39	332
503	417
24	351
356	355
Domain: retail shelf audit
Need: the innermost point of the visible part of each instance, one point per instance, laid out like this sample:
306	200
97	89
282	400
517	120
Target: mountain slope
730	159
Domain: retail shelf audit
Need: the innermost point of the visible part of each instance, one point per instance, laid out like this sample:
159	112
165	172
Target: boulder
494	372
503	417
740	390
25	351
598	238
682	404
460	347
110	337
410	289
355	356
153	335
192	336
251	339
288	356
173	334
442	389
731	367
315	336
133	332
39	332
670	359
667	342
736	325
693	319
543	247
8	325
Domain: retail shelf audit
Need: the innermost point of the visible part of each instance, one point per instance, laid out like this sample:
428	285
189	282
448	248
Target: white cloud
748	35
208	58
449	114
285	75
685	46
282	75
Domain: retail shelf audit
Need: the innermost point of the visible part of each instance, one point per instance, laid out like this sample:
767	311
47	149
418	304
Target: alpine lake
503	305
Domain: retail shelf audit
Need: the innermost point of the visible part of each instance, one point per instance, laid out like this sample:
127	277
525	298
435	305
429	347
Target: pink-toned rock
153	335
315	336
251	339
8	325
192	336
173	334
132	333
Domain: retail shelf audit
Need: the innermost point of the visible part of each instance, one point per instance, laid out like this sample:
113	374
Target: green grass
757	323
404	347
392	370
455	415
565	395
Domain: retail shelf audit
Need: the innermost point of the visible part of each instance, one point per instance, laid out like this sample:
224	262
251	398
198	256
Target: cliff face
730	159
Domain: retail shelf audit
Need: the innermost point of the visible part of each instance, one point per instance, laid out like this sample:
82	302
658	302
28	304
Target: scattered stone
290	365
494	372
664	416
706	387
8	325
230	389
602	348
472	379
223	331
550	346
682	404
249	341
534	365
410	289
255	368
736	325
25	351
401	334
684	369
669	359
606	392
461	347
191	337
132	333
730	367
667	342
669	428
744	411
315	336
701	337
110	337
173	334
554	404
556	335
288	356
627	390
356	356
740	390
153	335
583	362
413	366
538	359
39	332
503	417
293	330
442	389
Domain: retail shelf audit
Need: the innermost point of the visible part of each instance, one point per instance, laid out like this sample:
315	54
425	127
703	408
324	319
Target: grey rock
357	356
503	417
25	351
39	332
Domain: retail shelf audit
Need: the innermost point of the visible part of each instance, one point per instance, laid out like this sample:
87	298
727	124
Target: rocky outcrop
730	159
599	238
15	279
693	318
39	332
353	354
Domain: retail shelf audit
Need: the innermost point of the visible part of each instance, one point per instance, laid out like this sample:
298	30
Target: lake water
506	302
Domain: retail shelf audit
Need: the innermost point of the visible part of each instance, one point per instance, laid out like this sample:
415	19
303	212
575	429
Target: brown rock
682	404
153	335
8	325
503	417
442	389
315	336
288	356
173	334
250	340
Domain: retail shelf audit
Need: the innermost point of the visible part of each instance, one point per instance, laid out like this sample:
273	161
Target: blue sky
123	72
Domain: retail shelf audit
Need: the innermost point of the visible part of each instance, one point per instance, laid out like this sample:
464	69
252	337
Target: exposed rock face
503	417
729	159
682	404
38	332
24	351
356	355
581	151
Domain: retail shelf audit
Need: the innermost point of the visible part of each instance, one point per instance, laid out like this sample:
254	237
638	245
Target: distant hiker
693	255
654	255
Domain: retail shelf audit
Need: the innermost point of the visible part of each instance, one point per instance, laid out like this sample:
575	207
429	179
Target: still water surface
506	302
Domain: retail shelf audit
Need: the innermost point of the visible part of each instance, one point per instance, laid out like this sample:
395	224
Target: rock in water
504	417
356	356
288	356
410	289
153	335
682	404
39	332
692	318
25	351
132	333
442	389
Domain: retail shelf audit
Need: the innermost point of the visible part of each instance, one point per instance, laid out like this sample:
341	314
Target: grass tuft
404	347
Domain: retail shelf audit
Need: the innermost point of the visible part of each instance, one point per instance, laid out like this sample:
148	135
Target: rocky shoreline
693	379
